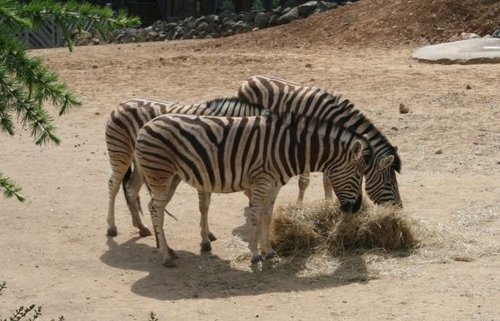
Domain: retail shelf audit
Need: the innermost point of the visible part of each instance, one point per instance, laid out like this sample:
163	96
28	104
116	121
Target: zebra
280	95
259	153
121	133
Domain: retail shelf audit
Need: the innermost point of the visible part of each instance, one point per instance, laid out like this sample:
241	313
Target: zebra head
381	183
347	177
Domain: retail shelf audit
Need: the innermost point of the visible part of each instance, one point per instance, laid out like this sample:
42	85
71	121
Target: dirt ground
53	248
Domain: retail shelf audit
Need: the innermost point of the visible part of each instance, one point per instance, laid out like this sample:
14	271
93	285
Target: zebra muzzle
351	207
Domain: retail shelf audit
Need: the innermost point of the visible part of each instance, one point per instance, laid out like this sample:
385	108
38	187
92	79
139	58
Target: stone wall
214	26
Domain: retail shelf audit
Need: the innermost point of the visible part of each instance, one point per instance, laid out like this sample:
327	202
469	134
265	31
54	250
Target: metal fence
49	35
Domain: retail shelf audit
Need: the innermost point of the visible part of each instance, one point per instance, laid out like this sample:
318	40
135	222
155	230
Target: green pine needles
25	84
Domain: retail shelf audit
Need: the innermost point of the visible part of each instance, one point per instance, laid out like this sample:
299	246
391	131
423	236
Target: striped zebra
121	133
283	96
260	154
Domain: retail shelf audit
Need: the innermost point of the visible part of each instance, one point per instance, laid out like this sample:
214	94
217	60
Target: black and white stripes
285	97
121	132
294	130
223	155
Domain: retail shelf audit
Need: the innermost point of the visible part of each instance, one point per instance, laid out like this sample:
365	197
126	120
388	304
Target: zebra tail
149	190
124	182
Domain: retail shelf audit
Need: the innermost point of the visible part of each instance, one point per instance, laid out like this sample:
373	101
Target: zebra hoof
271	254
256	259
112	231
206	247
143	232
169	263
212	237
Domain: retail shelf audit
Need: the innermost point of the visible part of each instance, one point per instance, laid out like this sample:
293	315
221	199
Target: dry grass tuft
321	227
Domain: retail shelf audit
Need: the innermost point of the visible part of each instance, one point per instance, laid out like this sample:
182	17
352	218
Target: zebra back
221	107
282	96
130	116
228	154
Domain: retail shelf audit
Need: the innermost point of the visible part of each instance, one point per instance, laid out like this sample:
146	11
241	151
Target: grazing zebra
260	154
121	133
283	96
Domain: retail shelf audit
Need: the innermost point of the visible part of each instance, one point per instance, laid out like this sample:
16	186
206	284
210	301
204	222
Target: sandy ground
53	248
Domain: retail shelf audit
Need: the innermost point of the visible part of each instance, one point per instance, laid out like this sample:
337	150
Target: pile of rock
215	26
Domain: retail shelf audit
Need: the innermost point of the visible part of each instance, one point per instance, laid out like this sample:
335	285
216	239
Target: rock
262	20
83	39
162	36
200	19
478	50
212	18
228	23
403	109
288	17
438	152
178	33
227	32
316	11
330	5
248	17
307	8
468	35
241	27
189	34
202	26
215	26
212	27
273	21
468	87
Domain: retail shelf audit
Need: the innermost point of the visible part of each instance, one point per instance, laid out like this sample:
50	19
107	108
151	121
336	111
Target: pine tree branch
9	189
43	84
30	111
6	124
9	17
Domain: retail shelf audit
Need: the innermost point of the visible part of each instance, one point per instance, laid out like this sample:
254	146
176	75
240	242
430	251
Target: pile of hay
323	227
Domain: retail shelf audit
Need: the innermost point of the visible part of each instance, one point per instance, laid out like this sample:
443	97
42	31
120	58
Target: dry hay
322	227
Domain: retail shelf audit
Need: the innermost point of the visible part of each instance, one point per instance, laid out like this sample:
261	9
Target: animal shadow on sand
210	276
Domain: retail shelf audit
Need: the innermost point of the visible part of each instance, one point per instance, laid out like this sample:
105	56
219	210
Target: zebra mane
217	102
333	108
356	121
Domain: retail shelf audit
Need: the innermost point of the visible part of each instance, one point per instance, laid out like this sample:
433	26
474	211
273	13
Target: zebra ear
357	150
385	162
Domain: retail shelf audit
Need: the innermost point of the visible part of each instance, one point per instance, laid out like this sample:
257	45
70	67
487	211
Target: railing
49	35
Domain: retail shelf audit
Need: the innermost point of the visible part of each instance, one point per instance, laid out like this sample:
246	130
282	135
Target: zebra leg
132	187
156	207
266	221
162	189
303	184
206	235
173	186
258	206
114	187
327	186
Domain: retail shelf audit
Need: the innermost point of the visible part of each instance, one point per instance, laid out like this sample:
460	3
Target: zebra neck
315	145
